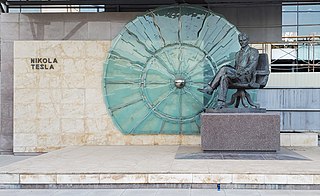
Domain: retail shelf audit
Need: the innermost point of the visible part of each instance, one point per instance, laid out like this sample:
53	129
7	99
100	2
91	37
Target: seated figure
243	73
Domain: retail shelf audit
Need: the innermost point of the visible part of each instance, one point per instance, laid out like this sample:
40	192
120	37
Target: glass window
309	18
286	8
289	18
289	31
309	30
14	10
309	7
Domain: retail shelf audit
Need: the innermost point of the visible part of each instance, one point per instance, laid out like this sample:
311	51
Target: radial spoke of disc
164	65
222	38
180	59
132	34
169	60
158	28
197	86
161	75
221	47
192	95
206	32
162	126
196	65
162	100
125	105
144	118
180	110
201	28
135	63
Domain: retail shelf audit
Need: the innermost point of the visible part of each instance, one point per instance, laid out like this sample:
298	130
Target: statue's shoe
207	90
221	105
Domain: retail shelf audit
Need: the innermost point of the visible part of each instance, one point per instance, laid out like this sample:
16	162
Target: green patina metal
156	64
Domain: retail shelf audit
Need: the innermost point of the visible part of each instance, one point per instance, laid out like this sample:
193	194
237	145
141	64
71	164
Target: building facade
45	107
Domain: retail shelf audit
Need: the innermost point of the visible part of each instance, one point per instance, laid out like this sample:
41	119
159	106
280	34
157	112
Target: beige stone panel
49	95
76	96
38	178
300	179
316	179
78	178
73	49
49	126
202	178
191	140
19	149
44	149
22	125
94	96
25	139
48	110
72	125
139	139
51	49
32	149
26	80
69	110
94	80
74	139
26	49
93	110
123	178
276	179
285	139
169	178
25	95
304	139
248	178
93	125
94	66
97	49
49	80
222	178
48	140
9	178
97	138
44	65
25	110
212	178
168	139
111	126
74	65
76	80
22	66
116	138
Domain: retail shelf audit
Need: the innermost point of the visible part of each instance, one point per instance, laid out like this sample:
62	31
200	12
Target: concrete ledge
159	178
299	139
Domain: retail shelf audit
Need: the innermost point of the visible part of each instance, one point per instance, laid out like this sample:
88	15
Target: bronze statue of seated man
242	73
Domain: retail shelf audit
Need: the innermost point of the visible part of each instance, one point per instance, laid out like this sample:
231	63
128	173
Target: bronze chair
260	79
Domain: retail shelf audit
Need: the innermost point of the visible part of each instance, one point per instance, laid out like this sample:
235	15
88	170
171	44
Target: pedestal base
240	131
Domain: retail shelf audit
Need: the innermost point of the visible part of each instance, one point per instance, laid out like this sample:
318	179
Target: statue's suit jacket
246	62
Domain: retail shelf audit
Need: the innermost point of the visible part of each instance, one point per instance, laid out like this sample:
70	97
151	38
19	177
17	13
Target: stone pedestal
240	131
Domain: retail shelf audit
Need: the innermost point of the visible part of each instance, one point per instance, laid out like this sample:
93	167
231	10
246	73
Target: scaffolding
296	54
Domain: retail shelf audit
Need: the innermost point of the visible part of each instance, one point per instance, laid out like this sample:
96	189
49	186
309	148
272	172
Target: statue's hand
239	72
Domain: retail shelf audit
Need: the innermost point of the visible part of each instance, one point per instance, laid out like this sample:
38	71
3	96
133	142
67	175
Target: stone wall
64	105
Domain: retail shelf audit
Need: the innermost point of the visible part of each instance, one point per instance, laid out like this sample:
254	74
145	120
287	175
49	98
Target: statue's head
243	40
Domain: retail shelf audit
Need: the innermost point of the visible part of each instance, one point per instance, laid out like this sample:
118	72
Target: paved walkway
157	192
149	165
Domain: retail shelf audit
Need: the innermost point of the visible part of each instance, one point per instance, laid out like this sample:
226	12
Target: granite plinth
240	131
